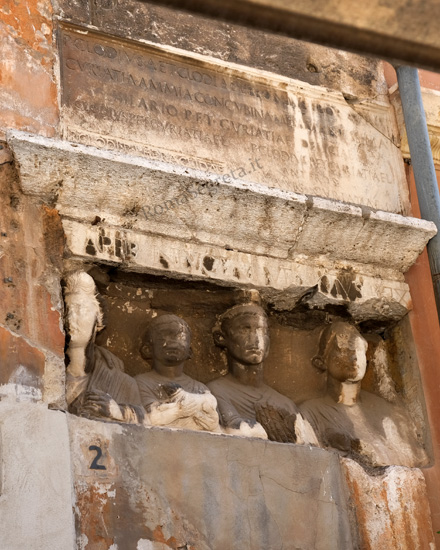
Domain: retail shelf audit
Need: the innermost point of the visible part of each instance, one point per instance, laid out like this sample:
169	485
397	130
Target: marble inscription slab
249	125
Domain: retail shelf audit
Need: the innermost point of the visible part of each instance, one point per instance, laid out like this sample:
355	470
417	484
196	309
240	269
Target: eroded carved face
346	359
246	338
81	318
171	343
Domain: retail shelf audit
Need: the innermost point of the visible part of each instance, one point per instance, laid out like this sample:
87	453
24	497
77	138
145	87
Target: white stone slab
92	185
281	282
165	103
36	501
205	491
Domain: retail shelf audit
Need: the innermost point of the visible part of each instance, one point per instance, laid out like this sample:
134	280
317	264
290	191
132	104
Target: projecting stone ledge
282	282
193	206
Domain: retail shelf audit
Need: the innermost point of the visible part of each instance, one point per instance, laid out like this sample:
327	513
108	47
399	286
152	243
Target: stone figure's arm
98	405
234	424
182	404
285	426
279	424
305	434
178	405
347	444
207	418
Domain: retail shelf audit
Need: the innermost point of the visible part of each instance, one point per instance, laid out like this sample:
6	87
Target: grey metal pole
422	163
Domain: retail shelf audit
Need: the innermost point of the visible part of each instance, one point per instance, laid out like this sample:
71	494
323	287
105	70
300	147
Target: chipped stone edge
400	256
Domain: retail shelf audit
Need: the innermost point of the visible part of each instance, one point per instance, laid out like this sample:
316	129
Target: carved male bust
170	397
247	405
96	385
355	422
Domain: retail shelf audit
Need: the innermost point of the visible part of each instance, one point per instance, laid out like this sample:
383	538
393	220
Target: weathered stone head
342	353
244	332
167	341
83	313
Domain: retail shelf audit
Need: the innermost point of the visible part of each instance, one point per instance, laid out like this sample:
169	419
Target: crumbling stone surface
354	75
31	246
28	93
391	509
238	215
208	492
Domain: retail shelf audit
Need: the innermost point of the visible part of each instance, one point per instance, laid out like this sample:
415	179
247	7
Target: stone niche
157	488
131	300
313	260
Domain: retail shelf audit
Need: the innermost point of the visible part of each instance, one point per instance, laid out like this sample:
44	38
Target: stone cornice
236	234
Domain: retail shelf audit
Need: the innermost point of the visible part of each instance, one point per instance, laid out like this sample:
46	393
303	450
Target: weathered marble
391	510
96	384
357	423
221	118
238	233
208	492
170	397
239	215
282	282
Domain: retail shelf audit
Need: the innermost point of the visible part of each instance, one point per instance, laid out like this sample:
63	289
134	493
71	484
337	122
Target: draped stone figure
170	397
353	421
96	384
247	405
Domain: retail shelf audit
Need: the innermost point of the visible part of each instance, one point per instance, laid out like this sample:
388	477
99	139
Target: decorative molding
95	186
431	103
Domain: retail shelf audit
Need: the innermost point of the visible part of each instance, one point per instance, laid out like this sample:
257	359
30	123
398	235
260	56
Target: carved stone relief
247	405
98	388
372	428
358	423
96	385
170	397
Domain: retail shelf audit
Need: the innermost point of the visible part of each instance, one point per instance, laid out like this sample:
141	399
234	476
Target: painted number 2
94	465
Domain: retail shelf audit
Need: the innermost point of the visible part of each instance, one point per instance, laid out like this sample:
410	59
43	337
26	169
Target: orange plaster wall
426	329
427	79
28	92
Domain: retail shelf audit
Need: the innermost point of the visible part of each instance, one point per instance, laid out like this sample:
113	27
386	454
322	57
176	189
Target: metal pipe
422	163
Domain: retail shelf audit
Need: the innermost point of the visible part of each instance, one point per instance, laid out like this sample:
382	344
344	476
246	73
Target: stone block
238	123
391	509
36	492
210	493
282	283
246	217
355	76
